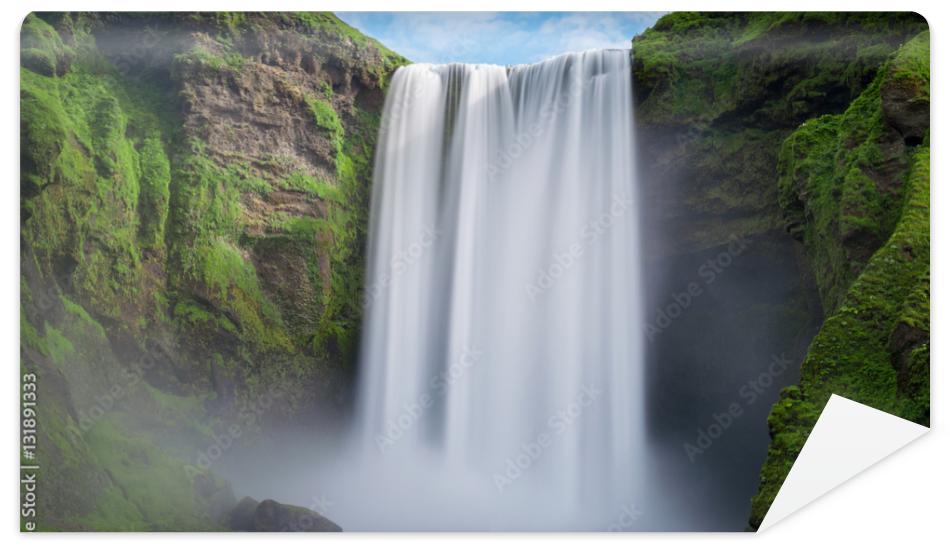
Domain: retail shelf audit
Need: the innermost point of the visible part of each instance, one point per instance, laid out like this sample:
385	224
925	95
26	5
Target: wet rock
906	109
271	516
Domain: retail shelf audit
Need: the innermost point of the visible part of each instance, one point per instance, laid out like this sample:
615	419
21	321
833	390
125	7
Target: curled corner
848	438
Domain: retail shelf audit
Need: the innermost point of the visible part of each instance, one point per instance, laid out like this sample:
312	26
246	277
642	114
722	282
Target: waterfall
501	358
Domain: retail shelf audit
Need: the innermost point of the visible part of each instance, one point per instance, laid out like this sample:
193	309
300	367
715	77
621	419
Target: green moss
29	337
827	172
730	87
83	316
303	227
692	67
96	199
175	414
192	313
59	347
850	355
911	67
77	497
223	266
324	115
43	133
205	204
153	199
832	162
346	225
41	48
302	182
234	286
154	483
203	57
915	310
139	226
196	316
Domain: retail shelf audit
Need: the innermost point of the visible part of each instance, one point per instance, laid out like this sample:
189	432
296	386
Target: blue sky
498	37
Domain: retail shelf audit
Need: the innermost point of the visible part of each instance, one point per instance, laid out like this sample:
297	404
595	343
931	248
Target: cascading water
501	374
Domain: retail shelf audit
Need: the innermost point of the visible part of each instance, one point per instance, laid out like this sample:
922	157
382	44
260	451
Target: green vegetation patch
202	56
694	67
324	115
302	182
154	483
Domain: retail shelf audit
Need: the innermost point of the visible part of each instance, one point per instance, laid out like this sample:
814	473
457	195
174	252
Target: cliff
806	134
194	199
856	187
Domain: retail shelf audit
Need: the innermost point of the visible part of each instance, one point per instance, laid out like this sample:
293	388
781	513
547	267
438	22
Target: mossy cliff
716	94
194	198
808	130
857	187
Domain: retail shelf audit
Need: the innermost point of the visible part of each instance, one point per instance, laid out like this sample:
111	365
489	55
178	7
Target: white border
895	509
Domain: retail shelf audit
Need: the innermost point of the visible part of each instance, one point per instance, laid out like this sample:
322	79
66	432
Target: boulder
270	516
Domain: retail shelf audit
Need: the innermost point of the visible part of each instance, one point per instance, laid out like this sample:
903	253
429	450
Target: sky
498	37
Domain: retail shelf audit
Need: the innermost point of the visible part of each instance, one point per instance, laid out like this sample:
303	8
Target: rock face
859	182
271	516
801	134
718	93
194	204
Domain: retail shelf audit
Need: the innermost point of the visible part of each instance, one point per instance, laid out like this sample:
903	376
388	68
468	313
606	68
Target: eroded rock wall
194	203
734	146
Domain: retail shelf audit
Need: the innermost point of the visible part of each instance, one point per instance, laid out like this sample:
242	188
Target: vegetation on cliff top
703	66
727	88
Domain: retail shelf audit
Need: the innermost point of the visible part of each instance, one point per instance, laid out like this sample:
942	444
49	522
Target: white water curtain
503	333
